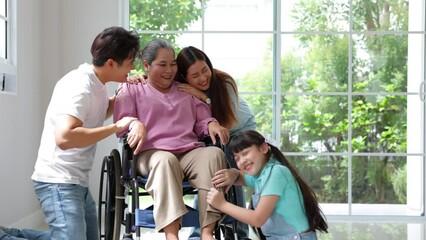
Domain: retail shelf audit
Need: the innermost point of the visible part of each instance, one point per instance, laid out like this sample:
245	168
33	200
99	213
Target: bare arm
110	109
70	133
255	218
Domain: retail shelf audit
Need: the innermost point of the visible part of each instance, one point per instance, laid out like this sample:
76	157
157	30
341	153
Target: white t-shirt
80	94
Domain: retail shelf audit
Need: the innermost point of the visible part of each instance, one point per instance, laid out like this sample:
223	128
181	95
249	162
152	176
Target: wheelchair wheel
110	210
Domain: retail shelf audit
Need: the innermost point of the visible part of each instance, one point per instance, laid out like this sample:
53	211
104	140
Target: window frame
8	65
276	93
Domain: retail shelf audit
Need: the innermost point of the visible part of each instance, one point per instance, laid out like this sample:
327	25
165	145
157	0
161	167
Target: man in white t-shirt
74	123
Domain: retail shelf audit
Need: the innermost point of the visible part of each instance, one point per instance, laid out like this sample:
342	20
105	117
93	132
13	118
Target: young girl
285	207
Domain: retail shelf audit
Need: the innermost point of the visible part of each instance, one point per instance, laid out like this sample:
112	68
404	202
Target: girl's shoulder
278	169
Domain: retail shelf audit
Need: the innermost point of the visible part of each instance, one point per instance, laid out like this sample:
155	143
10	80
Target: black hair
221	106
114	43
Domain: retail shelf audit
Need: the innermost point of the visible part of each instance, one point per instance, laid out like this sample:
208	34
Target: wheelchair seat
123	188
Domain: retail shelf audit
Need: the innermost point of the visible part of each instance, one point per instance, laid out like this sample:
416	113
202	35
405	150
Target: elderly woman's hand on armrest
136	135
216	130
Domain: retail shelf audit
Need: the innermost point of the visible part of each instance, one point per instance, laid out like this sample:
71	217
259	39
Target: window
335	82
7	48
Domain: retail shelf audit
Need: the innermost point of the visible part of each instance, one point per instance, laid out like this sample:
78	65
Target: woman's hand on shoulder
184	87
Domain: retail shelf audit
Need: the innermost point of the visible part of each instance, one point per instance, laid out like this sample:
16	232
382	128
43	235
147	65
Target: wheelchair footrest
145	218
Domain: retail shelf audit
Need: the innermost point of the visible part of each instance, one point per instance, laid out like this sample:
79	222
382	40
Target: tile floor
344	230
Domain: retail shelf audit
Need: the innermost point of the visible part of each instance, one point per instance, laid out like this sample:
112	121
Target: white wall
54	37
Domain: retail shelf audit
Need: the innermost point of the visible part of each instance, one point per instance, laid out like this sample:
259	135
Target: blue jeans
69	209
23	234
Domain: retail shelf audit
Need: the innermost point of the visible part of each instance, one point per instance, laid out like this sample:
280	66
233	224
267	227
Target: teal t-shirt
278	180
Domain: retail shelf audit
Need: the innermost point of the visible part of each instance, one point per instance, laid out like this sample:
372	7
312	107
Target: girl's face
251	160
162	71
199	75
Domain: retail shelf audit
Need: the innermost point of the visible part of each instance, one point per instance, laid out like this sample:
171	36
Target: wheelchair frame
119	178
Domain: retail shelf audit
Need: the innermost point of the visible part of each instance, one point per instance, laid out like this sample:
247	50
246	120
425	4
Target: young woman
215	87
218	89
285	207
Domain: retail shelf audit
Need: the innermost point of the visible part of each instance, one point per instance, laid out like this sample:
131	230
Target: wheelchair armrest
209	142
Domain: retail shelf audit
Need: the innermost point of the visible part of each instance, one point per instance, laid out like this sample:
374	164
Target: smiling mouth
247	167
168	77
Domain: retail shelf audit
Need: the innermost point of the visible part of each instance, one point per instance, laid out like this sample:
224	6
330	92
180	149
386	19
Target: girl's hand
225	178
215	198
184	87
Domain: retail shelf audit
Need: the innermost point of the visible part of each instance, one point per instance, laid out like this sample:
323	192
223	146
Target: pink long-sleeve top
174	121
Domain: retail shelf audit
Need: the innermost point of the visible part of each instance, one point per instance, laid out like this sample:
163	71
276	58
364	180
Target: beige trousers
166	172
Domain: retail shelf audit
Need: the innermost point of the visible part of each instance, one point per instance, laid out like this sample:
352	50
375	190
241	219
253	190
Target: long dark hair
221	105
245	139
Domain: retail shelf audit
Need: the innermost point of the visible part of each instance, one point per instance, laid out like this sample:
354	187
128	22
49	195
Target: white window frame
8	68
416	199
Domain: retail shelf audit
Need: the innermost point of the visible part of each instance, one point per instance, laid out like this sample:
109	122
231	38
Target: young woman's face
199	75
162	71
251	160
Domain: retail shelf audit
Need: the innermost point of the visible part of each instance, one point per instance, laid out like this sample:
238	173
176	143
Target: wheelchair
119	193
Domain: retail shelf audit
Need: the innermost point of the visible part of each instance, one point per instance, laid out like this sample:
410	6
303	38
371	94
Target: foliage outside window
329	81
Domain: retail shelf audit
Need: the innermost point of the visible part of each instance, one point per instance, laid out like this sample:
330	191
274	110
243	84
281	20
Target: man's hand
124	123
216	129
137	79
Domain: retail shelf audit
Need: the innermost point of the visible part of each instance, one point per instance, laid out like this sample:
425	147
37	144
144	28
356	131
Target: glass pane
236	55
319	15
380	63
379	124
372	15
314	63
386	185
3	39
163	15
189	39
314	123
375	180
3	8
261	106
239	15
328	177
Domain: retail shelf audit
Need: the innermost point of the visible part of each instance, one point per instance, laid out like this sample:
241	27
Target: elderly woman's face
162	71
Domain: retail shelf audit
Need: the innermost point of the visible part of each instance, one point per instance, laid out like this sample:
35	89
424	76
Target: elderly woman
166	136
